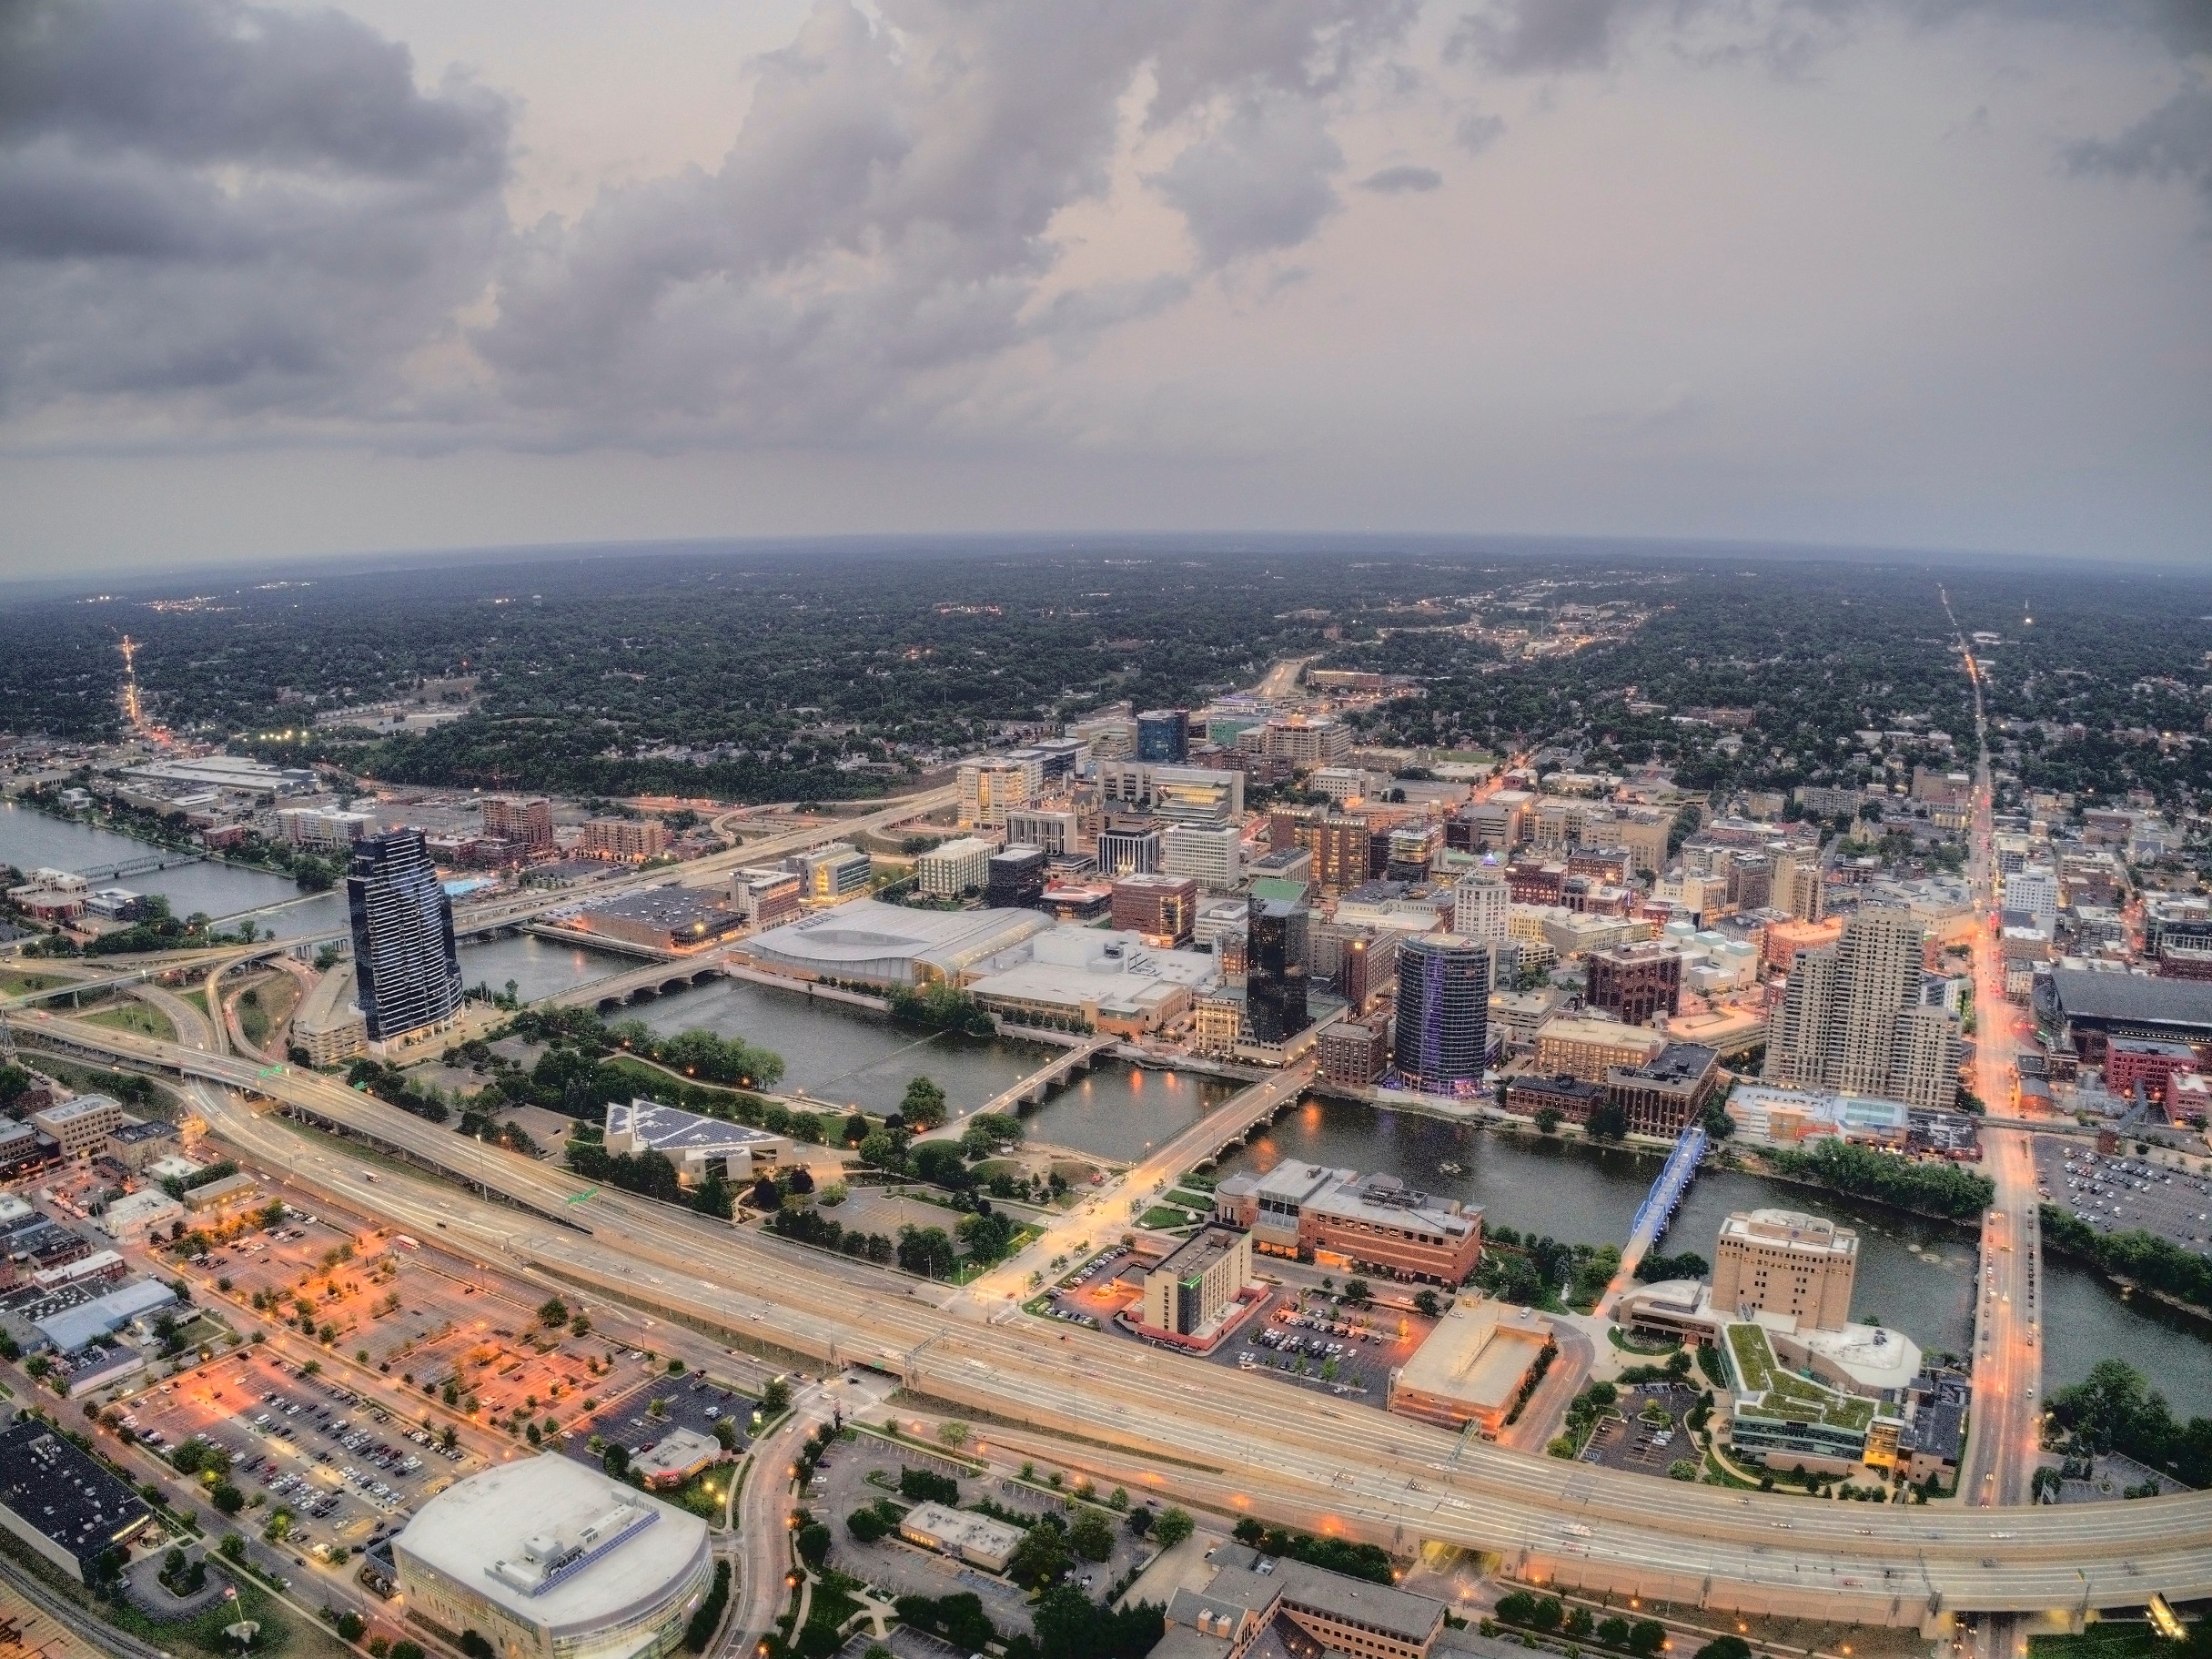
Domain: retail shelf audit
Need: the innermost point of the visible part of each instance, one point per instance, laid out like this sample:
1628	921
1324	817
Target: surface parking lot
344	1466
1628	1439
635	1423
2119	1192
428	1321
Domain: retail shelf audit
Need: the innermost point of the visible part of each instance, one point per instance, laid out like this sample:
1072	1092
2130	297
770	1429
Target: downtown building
1443	1038
1851	1018
406	969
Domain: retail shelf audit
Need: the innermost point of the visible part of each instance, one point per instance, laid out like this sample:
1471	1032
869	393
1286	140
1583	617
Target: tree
926	1250
856	1129
1646	1637
475	1647
1425	1304
882	1149
775	1396
942	1163
766	1195
1607	1121
867	1524
923	1105
1547	1120
1040	1558
1092	1536
227	1498
814	1543
554	1312
1173	1526
1357	1291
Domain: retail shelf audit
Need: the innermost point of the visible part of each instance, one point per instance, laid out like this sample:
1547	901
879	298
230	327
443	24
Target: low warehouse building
977	1540
62	1502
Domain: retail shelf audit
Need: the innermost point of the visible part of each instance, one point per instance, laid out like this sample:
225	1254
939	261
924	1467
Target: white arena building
546	1559
890	944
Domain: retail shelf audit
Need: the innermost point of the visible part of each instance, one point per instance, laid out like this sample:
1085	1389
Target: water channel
1916	1276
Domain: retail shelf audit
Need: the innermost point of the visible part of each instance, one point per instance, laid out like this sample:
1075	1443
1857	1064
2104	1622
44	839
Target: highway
1230	1442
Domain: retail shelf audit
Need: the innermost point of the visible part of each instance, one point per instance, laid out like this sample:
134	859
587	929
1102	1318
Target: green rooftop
1774	1391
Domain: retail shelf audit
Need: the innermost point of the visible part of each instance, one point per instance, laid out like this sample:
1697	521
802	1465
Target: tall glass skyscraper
406	968
1443	1012
1164	734
1275	970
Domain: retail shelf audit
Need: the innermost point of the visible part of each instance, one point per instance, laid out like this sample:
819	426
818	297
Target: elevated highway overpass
1235	1442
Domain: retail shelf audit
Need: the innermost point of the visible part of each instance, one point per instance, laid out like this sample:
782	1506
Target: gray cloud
1477	132
1258	183
2174	141
1566	36
255	206
880	231
1398	181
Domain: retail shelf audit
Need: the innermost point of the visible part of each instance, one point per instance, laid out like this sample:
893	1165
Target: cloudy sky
280	279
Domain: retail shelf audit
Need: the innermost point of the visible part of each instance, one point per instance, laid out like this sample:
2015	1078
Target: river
1914	1276
850	1057
31	840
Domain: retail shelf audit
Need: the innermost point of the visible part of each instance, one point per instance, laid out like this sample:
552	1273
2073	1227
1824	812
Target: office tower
2035	891
1367	961
1481	902
1129	845
630	839
1843	1021
1057	829
1306	743
1340	845
1443	1013
1275	970
527	822
1799	886
1210	854
1164	734
834	872
407	970
1016	879
989	787
953	867
1161	908
1633	982
1787	1262
1063	760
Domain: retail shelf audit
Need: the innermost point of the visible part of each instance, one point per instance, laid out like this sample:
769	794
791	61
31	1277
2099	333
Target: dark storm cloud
2174	141
880	228
204	197
1400	180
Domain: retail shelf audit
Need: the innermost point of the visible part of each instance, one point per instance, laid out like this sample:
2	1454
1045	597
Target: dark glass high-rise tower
1164	735
1443	1012
406	968
1275	970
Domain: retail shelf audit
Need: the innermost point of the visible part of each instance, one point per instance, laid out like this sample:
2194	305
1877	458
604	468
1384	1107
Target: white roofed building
546	1559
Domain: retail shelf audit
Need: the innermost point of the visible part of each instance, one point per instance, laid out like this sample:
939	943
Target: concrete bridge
1032	1089
1232	1123
637	985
